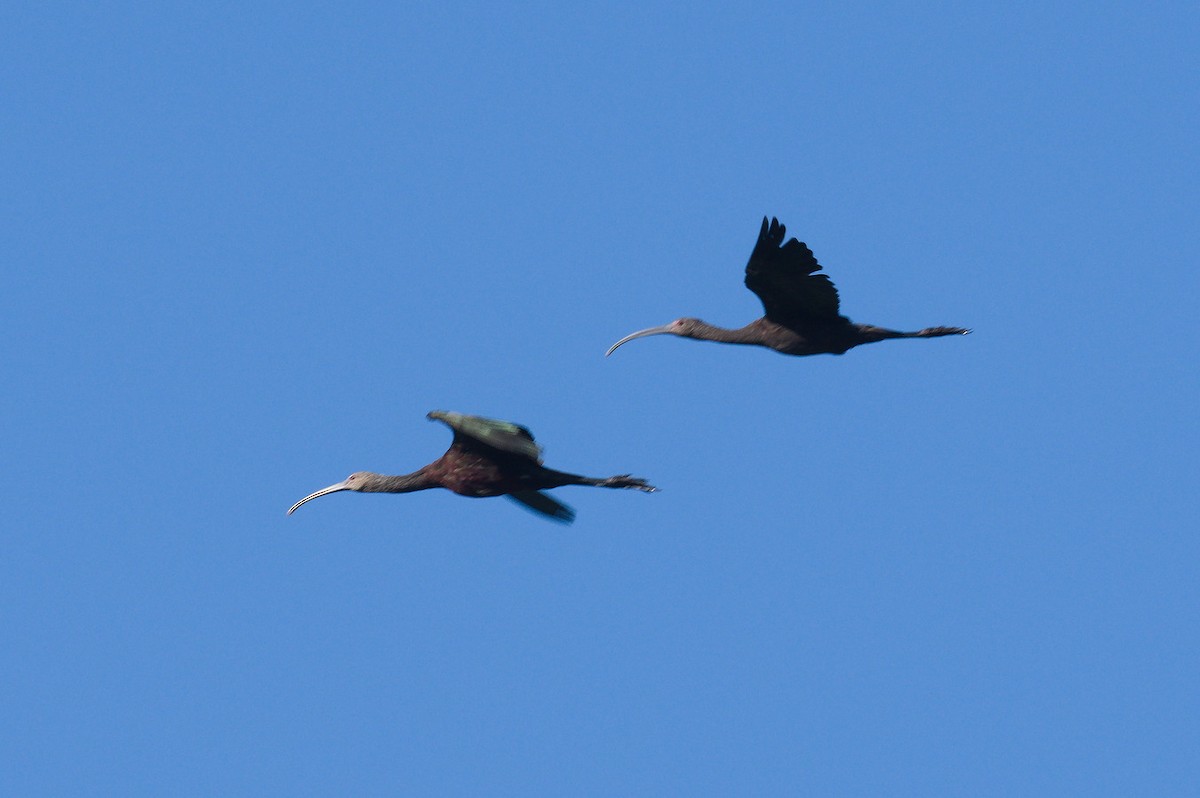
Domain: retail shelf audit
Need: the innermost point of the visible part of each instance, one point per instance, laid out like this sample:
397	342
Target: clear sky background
248	246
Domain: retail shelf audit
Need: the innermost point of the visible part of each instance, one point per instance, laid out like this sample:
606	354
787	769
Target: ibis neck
402	483
750	334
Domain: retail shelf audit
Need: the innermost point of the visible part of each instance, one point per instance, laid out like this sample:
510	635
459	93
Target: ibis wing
504	436
785	278
541	503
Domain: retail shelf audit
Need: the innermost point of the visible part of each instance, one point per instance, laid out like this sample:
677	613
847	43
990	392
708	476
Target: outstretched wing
785	278
541	503
504	436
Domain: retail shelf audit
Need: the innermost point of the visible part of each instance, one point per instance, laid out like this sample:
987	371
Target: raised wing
785	279
504	436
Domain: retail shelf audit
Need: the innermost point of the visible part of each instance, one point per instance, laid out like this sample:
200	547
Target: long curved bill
331	489
660	330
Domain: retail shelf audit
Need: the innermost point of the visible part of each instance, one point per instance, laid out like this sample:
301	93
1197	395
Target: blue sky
248	249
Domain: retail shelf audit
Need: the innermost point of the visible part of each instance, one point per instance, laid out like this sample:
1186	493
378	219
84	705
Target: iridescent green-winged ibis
486	458
801	307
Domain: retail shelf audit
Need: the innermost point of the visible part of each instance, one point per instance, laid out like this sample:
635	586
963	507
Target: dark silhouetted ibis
486	458
801	307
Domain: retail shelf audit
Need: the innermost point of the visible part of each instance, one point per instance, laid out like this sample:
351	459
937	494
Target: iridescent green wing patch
504	436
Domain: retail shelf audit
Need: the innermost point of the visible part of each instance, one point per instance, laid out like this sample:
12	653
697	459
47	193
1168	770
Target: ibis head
685	328
359	480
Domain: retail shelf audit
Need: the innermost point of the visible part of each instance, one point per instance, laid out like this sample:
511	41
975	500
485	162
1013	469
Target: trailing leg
557	478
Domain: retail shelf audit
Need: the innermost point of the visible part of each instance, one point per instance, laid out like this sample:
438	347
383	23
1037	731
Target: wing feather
784	276
503	436
541	503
